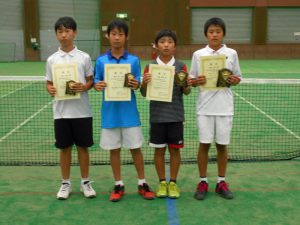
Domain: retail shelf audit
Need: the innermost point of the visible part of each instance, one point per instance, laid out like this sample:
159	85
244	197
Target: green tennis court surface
264	194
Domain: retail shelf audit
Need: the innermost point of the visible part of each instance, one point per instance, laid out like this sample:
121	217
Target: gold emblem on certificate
181	78
69	87
223	76
128	77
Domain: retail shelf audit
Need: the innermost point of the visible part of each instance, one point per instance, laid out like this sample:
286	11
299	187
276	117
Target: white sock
66	181
141	181
221	179
84	180
204	179
119	182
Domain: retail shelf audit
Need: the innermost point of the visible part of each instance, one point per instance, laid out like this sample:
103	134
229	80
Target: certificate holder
62	74
209	67
114	76
161	86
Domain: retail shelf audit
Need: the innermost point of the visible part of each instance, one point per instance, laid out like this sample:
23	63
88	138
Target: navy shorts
77	131
170	134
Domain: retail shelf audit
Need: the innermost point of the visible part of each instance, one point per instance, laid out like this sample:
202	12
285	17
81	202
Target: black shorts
167	133
77	131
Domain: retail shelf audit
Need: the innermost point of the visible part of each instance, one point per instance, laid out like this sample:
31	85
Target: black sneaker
201	190
223	190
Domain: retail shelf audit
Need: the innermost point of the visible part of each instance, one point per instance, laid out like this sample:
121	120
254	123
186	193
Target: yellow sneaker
173	190
162	190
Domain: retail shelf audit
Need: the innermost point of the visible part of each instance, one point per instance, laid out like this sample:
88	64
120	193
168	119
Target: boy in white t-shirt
72	118
214	108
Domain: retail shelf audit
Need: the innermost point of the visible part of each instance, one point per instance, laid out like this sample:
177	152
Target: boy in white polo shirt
214	108
73	117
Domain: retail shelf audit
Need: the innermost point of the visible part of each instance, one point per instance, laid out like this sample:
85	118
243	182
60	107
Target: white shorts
214	126
114	138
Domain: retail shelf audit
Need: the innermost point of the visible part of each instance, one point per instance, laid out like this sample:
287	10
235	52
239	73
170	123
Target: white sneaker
88	190
64	191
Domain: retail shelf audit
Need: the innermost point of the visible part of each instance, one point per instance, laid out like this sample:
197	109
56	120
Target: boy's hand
133	83
78	87
51	90
100	86
233	80
146	78
200	80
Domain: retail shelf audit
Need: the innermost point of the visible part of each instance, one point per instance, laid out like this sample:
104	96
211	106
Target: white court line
268	116
14	91
24	122
20	78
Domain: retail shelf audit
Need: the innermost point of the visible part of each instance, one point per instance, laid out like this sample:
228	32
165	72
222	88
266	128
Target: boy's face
65	36
117	38
215	36
166	46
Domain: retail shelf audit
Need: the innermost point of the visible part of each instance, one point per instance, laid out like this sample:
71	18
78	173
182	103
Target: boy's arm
186	89
196	78
99	84
145	81
89	82
50	88
134	83
235	78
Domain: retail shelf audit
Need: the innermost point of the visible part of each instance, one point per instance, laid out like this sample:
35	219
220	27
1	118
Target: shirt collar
125	55
170	63
219	51
71	53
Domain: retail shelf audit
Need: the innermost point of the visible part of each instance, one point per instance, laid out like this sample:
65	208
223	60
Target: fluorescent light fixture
122	15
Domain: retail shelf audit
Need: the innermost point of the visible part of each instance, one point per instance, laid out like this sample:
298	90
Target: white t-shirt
215	102
75	108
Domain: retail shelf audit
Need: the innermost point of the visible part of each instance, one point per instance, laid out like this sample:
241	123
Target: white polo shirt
215	102
75	108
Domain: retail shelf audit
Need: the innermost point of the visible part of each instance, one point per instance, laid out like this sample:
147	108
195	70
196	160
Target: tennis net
266	123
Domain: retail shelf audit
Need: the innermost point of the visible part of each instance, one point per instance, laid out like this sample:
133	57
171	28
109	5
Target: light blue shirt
118	114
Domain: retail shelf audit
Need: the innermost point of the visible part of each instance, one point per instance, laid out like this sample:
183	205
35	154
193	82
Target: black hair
215	21
67	22
121	25
165	33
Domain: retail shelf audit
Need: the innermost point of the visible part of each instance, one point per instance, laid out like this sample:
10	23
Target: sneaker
145	192
173	190
162	190
201	190
223	190
117	193
64	191
87	189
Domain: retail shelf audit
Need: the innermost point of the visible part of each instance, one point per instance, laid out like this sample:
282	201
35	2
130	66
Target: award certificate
210	66
161	86
61	75
114	76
